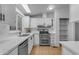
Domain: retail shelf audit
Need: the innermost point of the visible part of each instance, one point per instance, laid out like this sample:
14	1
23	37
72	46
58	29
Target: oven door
23	49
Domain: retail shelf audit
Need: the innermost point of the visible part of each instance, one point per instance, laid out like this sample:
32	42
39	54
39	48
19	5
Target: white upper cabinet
48	21
25	21
40	21
34	22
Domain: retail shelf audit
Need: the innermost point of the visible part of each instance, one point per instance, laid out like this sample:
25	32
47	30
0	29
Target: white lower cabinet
14	52
36	39
52	39
30	44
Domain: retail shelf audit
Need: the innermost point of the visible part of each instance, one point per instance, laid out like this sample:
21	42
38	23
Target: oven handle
25	45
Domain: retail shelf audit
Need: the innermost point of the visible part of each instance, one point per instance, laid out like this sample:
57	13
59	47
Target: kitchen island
70	47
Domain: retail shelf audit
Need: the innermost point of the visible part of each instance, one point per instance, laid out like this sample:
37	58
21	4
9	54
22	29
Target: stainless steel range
44	37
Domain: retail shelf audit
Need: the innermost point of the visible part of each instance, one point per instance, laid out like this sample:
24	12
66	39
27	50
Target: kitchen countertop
72	46
8	43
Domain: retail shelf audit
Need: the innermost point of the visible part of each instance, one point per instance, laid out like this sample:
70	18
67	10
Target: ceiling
19	6
41	8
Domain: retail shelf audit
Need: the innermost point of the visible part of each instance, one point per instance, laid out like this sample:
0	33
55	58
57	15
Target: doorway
18	22
76	31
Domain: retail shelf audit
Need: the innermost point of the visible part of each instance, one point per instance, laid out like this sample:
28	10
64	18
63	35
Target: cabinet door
25	21
34	22
48	21
52	39
32	41
37	21
30	45
40	21
36	39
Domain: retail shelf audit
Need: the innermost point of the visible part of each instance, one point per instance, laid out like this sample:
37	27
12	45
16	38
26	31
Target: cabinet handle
25	45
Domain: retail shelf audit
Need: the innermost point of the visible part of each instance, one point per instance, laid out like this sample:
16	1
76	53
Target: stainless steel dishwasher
23	48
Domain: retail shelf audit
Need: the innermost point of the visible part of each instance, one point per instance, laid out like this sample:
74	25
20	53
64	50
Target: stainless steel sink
22	35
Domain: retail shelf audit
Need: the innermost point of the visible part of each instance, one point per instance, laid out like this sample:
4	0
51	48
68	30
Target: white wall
10	18
4	29
71	31
10	13
0	9
74	12
74	17
60	13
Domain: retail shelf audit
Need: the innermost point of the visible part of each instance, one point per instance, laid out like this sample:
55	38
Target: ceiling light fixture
51	7
17	10
26	7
